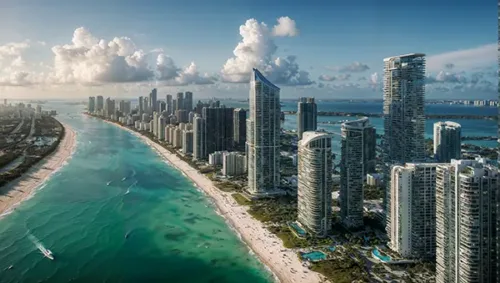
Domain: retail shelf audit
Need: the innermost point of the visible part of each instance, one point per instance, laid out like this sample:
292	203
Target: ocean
174	232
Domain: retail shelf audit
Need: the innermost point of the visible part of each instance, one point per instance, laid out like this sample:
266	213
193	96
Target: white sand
24	187
283	262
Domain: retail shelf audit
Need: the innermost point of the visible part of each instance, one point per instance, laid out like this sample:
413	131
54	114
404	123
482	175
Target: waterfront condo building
358	158
99	103
263	136
404	118
153	100
218	133
447	141
91	105
306	115
233	164
198	138
239	128
315	183
467	196
412	233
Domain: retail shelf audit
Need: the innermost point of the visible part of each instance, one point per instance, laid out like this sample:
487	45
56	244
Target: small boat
108	183
127	235
10	267
48	254
124	178
127	192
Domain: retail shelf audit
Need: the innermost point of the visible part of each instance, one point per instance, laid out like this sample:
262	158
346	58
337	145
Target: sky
326	49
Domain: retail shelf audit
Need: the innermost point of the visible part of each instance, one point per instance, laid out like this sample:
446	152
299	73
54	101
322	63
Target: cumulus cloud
482	56
191	75
285	27
256	50
330	78
92	61
13	67
355	67
374	79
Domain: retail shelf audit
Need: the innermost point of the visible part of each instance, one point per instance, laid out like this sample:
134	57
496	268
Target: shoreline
26	186
265	245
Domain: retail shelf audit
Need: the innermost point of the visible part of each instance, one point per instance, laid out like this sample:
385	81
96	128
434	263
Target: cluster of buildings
492	103
442	209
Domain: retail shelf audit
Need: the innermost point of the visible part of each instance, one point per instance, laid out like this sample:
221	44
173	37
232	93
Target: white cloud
256	50
91	61
285	27
355	67
190	75
330	78
482	56
374	79
13	67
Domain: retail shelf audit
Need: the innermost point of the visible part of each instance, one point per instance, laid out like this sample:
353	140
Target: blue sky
331	35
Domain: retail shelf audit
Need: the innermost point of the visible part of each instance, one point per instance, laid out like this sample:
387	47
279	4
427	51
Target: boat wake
128	189
46	252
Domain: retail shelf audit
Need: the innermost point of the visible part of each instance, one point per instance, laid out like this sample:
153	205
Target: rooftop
258	76
409	55
310	136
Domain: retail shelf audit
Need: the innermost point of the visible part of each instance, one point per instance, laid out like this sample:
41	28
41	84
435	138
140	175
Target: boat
127	234
108	183
124	178
48	254
127	192
10	267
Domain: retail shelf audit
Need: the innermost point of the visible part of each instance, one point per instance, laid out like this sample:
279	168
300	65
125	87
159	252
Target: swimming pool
300	232
313	256
332	248
383	258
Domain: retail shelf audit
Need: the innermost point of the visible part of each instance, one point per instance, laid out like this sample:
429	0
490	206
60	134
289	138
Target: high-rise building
188	101
91	105
162	106
100	103
154	126
404	118
233	164
447	141
161	128
358	158
179	101
141	105
263	136
306	115
181	115
239	128
218	128
413	210
146	105
153	100
187	141
110	107
191	116
315	183
199	138
466	222
169	107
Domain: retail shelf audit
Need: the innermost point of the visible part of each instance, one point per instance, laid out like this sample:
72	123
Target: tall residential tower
263	136
306	115
447	141
315	183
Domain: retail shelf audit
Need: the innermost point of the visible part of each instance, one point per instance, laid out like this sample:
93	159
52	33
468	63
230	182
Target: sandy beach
284	263
25	186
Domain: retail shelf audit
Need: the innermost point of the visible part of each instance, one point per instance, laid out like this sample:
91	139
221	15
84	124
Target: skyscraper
169	107
153	100
358	158
162	106
306	115
447	141
188	101
315	183
179	101
100	103
239	128
160	131
199	138
218	128
413	210
404	118
91	105
466	222
141	105
263	136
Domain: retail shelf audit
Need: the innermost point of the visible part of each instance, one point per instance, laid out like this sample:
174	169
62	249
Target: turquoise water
314	256
384	258
175	234
297	229
332	248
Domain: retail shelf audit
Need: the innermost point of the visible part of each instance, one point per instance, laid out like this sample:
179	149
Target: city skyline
306	52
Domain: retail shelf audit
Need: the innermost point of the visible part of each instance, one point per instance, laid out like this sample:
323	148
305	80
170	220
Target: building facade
218	128
413	210
467	222
404	117
358	158
199	138
91	105
447	141
263	136
314	189
239	128
233	164
306	115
